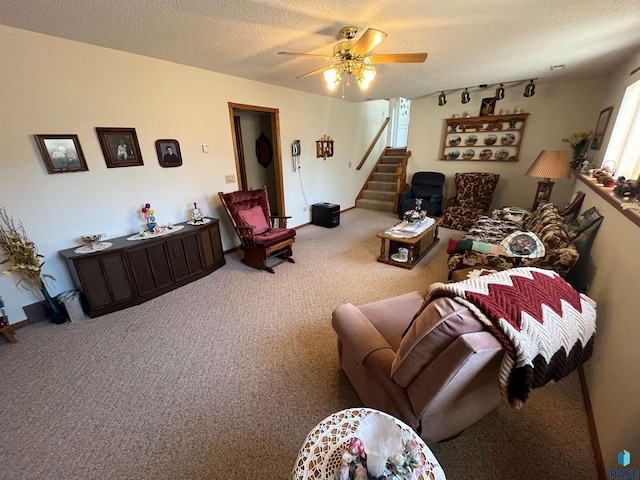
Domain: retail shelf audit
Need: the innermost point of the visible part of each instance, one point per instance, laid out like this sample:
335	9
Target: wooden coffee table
418	245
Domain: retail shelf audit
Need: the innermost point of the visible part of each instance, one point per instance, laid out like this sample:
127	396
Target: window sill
607	194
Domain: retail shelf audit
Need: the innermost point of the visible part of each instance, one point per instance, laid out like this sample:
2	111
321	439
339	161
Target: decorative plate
455	140
486	154
453	154
470	140
490	139
508	139
468	153
502	154
523	245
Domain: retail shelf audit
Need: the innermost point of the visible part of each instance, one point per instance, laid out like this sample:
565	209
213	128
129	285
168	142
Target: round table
322	451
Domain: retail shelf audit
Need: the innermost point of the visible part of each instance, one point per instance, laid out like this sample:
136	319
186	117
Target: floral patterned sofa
546	223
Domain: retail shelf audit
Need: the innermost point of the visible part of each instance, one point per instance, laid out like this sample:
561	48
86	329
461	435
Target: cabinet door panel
178	259
117	278
211	245
105	280
94	283
150	267
192	254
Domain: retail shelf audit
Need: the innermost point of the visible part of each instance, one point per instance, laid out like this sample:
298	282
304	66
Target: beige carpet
223	378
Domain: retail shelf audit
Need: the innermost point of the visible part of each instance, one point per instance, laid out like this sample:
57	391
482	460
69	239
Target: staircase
386	181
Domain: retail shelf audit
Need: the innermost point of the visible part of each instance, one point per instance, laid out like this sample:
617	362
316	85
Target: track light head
530	89
466	98
442	99
500	92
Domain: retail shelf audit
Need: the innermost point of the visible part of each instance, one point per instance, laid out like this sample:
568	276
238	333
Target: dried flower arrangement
20	252
26	263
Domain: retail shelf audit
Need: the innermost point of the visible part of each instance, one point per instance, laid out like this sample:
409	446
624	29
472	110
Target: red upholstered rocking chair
262	235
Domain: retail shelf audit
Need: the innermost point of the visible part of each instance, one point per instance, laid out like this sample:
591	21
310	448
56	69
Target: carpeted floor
224	378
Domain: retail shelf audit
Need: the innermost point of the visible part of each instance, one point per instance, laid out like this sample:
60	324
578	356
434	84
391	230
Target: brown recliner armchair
440	378
474	192
262	235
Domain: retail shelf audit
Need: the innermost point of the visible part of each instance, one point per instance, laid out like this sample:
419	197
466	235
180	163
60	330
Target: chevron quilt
546	327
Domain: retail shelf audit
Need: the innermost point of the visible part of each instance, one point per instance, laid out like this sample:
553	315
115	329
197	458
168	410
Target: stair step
374	205
379	195
396	151
384	177
387	168
391	160
383	186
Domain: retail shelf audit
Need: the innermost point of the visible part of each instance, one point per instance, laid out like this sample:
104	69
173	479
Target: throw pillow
583	222
255	216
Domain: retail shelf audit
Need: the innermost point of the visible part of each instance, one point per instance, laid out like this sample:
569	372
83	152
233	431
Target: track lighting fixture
530	89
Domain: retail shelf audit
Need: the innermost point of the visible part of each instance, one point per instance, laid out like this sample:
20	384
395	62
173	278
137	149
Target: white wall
55	86
555	111
613	373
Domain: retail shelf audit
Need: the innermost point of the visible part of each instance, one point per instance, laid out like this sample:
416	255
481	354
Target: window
624	145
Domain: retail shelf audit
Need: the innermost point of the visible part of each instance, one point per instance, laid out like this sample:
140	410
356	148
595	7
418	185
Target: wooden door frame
274	114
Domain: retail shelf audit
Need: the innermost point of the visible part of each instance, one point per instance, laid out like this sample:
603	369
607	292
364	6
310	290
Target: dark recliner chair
429	187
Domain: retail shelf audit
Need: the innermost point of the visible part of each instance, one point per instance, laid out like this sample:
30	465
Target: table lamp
549	164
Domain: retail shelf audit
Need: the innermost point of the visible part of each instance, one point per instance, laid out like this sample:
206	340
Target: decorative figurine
148	212
196	216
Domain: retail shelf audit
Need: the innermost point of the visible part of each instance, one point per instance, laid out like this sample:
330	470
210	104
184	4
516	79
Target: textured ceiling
470	42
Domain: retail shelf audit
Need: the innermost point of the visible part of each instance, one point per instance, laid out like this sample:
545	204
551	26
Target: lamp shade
551	164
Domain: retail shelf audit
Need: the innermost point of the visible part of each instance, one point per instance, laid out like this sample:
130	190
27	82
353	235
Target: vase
55	314
580	150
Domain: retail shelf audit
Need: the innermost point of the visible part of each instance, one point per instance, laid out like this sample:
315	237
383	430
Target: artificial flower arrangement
380	451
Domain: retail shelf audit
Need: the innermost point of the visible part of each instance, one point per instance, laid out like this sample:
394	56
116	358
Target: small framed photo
61	153
168	151
120	147
488	106
601	128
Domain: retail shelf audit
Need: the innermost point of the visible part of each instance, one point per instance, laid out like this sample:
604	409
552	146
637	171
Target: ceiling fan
352	58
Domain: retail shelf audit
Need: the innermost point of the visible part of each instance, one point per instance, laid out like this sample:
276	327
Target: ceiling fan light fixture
442	99
365	75
333	77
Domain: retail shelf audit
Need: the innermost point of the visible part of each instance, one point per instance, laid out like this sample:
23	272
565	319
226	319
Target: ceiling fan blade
367	42
306	55
314	72
398	58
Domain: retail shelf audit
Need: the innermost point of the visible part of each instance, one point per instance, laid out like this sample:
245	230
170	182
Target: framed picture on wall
168	151
61	153
120	147
601	128
488	106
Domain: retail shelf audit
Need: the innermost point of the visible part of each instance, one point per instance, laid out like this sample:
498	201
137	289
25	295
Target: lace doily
322	451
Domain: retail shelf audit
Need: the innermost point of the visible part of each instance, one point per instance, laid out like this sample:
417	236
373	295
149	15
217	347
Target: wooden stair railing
373	143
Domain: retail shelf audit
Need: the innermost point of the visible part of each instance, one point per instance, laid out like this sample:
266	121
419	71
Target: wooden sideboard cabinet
131	272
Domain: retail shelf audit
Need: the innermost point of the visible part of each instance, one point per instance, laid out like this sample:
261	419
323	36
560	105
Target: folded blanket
546	327
460	246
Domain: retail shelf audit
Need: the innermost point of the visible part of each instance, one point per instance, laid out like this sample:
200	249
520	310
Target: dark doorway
248	124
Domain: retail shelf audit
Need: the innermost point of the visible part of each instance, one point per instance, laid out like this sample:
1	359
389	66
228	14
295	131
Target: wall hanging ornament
264	150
